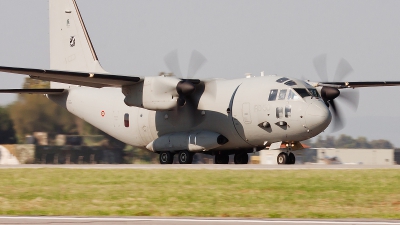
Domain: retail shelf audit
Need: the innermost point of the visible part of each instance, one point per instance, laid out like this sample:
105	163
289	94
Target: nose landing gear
284	158
291	158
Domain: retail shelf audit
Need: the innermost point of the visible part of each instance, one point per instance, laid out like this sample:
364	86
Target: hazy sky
279	37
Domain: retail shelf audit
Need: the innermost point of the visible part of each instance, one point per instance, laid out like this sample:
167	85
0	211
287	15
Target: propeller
328	94
185	87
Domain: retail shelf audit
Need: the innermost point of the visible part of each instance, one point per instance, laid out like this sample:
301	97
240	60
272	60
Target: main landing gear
239	158
284	158
221	159
184	157
166	158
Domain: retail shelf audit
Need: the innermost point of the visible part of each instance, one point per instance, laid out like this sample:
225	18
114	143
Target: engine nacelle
195	141
155	93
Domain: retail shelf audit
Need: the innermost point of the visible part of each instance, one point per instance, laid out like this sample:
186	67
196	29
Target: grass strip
203	193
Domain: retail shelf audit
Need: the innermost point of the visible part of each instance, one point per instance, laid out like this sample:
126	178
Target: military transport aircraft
169	115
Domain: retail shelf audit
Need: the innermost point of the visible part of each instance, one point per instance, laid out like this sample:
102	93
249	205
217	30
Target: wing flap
77	78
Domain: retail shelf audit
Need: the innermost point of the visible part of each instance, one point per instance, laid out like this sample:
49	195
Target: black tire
291	159
166	158
221	159
241	158
185	157
282	158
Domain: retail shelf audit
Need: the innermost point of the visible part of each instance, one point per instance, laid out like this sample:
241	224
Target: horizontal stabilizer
77	78
34	91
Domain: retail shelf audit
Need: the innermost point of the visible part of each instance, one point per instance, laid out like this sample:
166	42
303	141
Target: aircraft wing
77	78
46	91
341	85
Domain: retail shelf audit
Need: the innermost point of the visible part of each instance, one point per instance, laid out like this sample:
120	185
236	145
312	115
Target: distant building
397	156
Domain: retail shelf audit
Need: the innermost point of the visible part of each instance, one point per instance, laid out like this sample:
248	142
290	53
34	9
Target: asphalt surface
203	166
181	221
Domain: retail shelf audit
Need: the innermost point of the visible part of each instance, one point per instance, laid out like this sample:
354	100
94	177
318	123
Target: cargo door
241	113
247	116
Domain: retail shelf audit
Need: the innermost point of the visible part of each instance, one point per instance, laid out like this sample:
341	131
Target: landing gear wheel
241	158
185	157
221	159
166	158
282	158
291	159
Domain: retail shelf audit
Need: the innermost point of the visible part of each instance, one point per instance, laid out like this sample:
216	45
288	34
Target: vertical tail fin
70	45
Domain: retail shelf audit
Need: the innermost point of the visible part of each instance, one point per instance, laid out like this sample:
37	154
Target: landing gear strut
166	158
284	158
241	158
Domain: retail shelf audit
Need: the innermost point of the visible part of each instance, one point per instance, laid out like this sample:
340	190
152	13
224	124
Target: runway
203	166
181	221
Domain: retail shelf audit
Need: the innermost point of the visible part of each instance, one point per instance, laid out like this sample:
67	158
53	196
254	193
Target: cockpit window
314	92
282	94
290	83
281	80
272	95
302	92
292	95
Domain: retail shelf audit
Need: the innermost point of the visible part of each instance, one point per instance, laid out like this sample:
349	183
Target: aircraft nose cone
318	117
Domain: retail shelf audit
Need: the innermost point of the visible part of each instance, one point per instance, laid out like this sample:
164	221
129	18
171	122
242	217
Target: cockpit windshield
302	92
292	95
314	92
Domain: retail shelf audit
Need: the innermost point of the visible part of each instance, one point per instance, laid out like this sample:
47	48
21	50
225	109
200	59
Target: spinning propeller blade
320	67
185	88
338	123
172	62
197	60
350	97
343	70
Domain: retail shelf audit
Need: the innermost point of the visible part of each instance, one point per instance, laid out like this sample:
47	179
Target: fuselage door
144	126
246	113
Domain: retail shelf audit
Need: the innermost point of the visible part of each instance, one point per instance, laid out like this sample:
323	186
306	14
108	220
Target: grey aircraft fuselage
249	112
